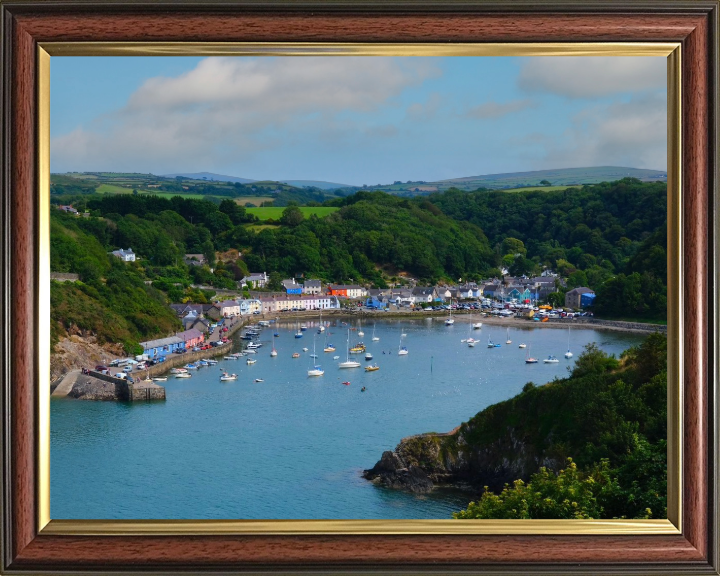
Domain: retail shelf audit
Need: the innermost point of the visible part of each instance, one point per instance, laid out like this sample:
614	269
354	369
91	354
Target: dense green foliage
590	235
111	300
609	416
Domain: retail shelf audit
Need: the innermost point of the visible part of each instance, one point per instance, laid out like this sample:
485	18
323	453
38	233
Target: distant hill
317	184
557	177
210	176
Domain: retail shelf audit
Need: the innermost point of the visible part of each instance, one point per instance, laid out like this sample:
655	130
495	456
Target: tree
275	281
292	216
545	183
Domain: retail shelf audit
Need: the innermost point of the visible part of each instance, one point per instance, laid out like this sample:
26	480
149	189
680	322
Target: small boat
521	346
305	349
248	351
160	379
363	389
273	353
183	375
336	357
490	343
508	337
254	345
303	328
212	362
229	357
259	380
298	334
264	323
471	342
178	371
348	363
296	355
568	354
477	326
329	348
372	368
346	383
316	371
375	338
276	335
191	366
402	350
203	363
368	356
449	321
551	360
529	359
251	361
228	377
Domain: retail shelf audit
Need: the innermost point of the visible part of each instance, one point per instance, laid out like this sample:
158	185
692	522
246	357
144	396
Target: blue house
162	347
292	287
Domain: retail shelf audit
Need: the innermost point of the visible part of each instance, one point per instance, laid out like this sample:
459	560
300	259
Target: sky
356	120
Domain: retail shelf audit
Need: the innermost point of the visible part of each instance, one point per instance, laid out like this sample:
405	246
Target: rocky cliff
422	462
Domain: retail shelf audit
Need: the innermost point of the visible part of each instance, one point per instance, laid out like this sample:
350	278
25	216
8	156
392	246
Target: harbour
293	446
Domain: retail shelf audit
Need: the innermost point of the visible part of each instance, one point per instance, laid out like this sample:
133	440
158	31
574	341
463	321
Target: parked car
196	349
101	368
127	369
121	375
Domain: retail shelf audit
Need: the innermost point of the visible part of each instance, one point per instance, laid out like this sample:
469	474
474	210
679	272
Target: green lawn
275	213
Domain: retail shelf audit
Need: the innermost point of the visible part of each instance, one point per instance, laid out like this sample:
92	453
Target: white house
255	280
125	255
297	302
249	306
229	308
312	287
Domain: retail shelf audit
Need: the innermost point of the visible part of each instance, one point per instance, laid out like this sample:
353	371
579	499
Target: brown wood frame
24	24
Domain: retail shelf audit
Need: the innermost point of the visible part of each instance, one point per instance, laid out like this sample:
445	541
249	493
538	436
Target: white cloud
499	109
230	107
592	77
632	133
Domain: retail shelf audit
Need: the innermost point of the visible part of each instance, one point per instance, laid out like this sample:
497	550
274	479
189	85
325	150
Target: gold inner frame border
669	526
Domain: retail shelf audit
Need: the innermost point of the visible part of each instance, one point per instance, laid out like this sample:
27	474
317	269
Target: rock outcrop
422	462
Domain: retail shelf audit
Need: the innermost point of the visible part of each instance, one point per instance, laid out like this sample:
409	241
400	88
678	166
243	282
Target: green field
113	189
275	213
542	188
257	200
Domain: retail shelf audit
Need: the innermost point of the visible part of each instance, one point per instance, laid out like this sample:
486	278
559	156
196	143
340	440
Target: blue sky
356	120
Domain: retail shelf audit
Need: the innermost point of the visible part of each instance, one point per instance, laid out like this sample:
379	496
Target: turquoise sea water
293	446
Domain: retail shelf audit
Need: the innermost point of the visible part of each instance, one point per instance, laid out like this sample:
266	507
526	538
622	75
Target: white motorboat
228	377
551	360
477	325
160	379
521	346
178	371
368	356
183	375
251	361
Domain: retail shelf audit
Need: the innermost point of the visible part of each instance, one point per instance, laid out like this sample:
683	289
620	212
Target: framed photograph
274	90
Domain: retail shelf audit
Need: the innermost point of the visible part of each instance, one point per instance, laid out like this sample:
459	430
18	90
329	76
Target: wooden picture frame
31	545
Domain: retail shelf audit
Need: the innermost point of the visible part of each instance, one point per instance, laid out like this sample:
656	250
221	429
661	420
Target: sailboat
449	321
321	328
508	337
273	353
360	331
477	325
316	370
568	354
299	333
348	363
375	338
492	344
402	350
529	359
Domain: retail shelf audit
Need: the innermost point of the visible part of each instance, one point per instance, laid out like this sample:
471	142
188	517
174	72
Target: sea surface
293	446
